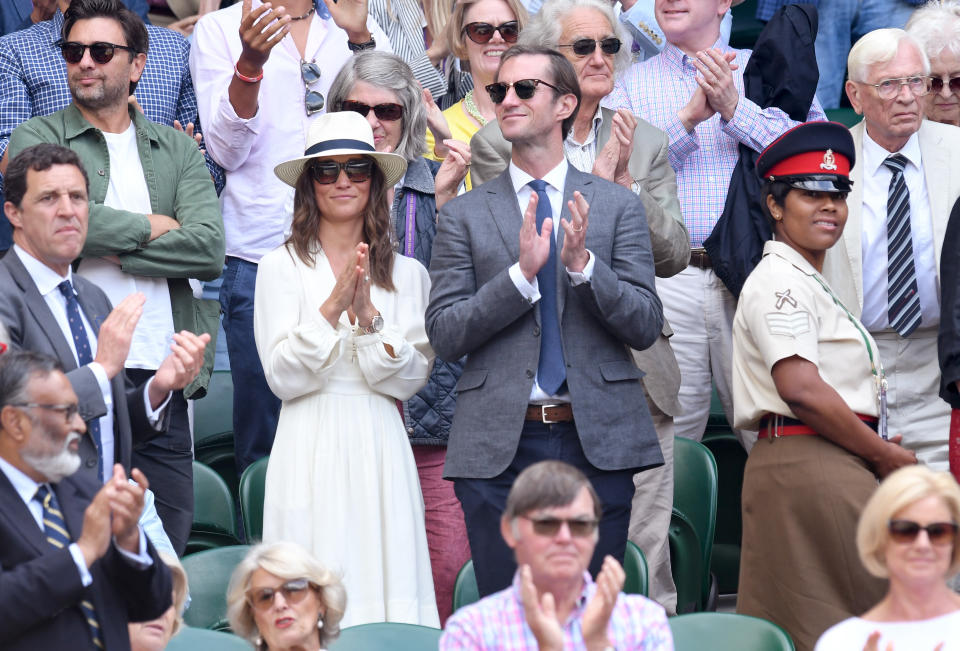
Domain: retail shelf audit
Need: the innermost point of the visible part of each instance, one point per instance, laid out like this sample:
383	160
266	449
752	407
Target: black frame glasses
387	112
585	46
68	410
524	88
294	591
326	172
549	526
481	33
937	84
100	51
906	531
313	100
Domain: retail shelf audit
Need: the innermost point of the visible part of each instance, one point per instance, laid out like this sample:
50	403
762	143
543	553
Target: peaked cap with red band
811	156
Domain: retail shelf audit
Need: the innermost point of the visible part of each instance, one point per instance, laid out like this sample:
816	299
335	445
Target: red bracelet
243	77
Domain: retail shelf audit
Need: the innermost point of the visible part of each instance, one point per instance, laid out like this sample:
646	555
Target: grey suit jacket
476	310
670	241
32	326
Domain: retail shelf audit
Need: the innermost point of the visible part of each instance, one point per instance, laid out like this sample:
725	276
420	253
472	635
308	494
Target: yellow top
461	128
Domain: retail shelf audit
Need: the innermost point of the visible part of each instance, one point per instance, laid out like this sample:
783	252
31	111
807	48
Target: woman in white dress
338	319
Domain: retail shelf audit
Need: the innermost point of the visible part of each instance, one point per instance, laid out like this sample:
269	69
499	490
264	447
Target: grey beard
55	467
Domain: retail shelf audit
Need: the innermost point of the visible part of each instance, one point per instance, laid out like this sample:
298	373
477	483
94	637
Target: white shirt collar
45	278
22	483
874	154
556	178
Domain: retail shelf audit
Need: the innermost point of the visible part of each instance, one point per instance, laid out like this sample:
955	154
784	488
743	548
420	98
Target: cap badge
829	162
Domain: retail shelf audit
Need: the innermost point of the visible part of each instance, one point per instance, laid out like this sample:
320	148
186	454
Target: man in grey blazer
546	317
601	141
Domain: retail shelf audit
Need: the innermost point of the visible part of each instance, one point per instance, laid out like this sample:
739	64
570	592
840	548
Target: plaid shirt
33	80
497	623
656	89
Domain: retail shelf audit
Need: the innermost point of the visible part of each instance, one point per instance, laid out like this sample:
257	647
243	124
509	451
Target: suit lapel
936	169
506	214
852	230
16	512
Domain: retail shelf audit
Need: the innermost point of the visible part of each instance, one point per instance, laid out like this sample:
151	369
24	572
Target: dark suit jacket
31	326
40	586
476	310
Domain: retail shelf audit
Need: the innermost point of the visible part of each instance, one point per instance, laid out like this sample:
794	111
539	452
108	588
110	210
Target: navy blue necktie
84	357
551	372
55	530
903	294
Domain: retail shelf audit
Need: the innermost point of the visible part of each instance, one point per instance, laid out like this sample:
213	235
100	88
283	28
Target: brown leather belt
562	413
700	259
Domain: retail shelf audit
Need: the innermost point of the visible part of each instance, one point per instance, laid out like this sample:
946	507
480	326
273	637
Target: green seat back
746	28
686	563
844	115
727	632
695	496
635	567
213	414
396	637
251	498
192	639
214	512
465	590
209	574
731	459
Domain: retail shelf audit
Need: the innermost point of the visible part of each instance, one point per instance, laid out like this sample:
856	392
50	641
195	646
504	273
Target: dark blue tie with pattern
551	372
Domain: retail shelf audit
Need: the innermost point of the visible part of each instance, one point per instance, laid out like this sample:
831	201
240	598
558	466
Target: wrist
246	75
362	39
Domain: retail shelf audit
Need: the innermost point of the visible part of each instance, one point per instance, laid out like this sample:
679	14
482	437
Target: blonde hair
181	588
898	491
878	47
455	35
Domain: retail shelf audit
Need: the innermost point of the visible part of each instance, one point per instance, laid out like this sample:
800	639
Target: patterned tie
84	356
903	298
552	372
55	530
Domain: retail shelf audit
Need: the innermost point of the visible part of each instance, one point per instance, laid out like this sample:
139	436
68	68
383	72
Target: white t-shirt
128	191
924	635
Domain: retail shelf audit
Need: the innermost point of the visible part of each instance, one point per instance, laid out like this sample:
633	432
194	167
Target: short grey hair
285	560
546	27
878	47
936	26
390	72
17	369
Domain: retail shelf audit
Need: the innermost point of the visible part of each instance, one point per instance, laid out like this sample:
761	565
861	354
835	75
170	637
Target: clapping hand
540	611
717	68
180	367
351	17
351	291
260	30
596	616
574	254
612	163
452	172
534	248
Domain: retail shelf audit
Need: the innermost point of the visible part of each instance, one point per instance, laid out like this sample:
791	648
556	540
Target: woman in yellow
806	374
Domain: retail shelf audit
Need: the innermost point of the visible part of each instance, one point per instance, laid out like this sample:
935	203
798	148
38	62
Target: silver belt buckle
543	415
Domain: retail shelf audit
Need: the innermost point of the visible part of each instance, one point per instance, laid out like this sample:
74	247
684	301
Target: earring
320	622
777	216
258	642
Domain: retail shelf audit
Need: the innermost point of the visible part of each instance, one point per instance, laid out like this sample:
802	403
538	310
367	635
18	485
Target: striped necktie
55	529
903	297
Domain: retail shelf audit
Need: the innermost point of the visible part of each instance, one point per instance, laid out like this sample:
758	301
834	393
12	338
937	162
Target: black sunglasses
328	171
936	84
585	46
385	111
482	32
906	531
100	52
549	526
293	592
524	88
313	100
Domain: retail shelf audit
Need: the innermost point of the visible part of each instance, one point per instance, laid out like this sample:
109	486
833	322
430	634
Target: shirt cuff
141	560
155	416
530	291
81	564
98	372
580	277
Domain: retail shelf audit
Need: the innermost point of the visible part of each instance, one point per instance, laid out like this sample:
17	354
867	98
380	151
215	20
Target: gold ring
577	230
366	279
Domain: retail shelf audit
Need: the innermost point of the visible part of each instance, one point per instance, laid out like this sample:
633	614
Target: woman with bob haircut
154	635
339	325
908	534
281	598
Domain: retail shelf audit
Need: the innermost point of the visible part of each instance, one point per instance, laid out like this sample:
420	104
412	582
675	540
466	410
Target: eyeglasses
890	88
100	52
585	46
524	88
906	531
549	526
328	171
482	32
68	411
953	83
386	111
313	100
293	591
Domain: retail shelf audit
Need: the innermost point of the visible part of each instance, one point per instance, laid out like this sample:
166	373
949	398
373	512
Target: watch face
377	324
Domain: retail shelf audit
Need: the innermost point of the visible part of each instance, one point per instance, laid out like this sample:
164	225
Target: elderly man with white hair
937	28
885	269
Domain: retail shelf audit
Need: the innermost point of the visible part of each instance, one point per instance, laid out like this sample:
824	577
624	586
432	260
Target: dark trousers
483	502
255	408
167	462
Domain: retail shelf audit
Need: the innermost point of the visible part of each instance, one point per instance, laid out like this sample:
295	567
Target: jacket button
409	430
91	463
529	373
101	173
536	331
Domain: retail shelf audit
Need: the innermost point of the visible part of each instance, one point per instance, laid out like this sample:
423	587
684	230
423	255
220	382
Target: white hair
878	47
936	27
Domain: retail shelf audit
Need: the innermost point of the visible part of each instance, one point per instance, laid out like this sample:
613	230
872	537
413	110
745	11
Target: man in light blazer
887	71
545	316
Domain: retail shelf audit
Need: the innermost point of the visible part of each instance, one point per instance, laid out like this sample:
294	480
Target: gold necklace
471	108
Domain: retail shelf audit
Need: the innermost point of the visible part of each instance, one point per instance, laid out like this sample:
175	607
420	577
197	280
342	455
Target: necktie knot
896	163
538	185
43	494
66	288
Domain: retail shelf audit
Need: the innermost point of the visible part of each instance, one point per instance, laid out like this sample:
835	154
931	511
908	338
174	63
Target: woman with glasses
936	26
338	320
281	598
807	375
382	88
908	535
478	32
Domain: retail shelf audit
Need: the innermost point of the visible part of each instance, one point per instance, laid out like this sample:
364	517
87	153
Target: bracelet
360	47
243	77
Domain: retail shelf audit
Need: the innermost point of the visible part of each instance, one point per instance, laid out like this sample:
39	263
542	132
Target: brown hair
562	71
376	226
548	484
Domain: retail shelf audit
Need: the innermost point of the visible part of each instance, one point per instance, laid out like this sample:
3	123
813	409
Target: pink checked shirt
656	89
497	623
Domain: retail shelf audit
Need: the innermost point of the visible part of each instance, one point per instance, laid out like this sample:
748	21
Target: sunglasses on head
585	46
906	531
524	88
293	592
386	111
100	51
482	32
313	100
936	84
328	171
549	526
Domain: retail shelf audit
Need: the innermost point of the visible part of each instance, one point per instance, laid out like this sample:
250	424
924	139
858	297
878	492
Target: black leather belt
700	259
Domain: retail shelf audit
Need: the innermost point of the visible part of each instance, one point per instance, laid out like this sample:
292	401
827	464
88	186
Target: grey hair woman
936	26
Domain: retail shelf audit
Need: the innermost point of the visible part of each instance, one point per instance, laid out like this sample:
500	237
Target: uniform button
529	373
536	331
